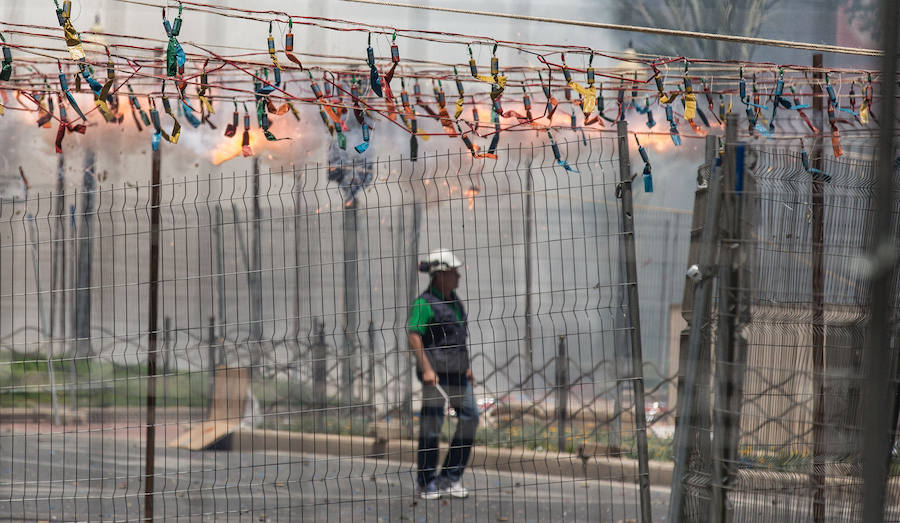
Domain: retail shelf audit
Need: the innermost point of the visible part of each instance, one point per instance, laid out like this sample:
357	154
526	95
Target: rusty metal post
562	394
152	313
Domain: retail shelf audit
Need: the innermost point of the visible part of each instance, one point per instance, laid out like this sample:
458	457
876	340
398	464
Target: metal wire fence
774	429
285	388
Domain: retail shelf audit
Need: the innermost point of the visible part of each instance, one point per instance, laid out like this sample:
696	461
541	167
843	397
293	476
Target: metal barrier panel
285	385
788	379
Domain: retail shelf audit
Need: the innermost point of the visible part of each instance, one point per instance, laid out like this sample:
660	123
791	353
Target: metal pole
69	320
167	326
725	353
351	300
255	278
817	474
637	370
83	296
412	291
695	365
529	254
878	428
152	313
562	394
57	248
220	271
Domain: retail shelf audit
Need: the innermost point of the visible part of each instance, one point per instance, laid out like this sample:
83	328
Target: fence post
255	279
370	372
817	474
562	394
152	317
211	362
351	300
878	427
167	326
220	270
623	190
730	350
695	363
320	371
83	287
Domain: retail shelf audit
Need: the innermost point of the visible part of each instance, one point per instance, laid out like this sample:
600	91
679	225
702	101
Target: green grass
24	382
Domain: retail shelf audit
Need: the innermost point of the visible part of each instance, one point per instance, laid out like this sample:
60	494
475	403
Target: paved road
83	476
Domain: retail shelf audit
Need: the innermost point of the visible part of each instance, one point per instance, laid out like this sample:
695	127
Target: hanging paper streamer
6	70
245	138
498	82
650	121
673	127
100	93
799	108
601	105
835	134
648	176
176	127
154	118
866	107
73	40
354	95
495	140
231	128
446	122
552	103
64	86
374	78
175	57
44	109
461	91
526	104
690	99
588	94
777	100
816	173
317	92
361	148
289	45
136	109
64	126
412	124
189	115
832	120
557	155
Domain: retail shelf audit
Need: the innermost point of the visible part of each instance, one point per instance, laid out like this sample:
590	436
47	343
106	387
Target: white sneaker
455	489
429	491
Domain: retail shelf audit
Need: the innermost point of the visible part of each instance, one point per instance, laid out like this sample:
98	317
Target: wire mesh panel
286	388
788	328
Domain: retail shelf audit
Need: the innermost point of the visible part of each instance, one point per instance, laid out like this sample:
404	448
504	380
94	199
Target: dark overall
445	348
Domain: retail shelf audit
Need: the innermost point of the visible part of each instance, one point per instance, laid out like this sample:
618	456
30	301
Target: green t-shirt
421	314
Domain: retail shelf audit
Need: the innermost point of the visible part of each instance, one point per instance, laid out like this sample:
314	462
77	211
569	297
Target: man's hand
470	376
429	377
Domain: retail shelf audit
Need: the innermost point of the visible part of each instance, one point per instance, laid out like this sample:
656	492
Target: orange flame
231	147
471	193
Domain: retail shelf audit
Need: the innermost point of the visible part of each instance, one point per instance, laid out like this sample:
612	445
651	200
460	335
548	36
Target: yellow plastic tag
589	95
690	106
205	101
863	114
459	107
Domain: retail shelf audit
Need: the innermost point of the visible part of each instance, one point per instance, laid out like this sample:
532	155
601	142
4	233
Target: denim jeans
432	420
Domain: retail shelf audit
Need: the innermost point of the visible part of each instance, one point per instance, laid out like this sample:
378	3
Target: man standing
437	335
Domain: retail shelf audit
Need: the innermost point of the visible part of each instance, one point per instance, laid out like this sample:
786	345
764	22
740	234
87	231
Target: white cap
439	260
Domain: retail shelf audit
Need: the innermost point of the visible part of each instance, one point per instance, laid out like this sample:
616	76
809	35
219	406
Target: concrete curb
505	460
